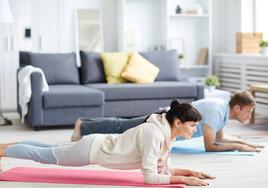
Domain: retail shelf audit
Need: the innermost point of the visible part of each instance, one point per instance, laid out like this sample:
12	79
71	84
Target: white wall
137	31
226	22
23	19
230	17
219	29
247	15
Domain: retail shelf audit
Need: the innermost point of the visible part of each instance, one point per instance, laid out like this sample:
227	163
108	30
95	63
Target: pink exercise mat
71	176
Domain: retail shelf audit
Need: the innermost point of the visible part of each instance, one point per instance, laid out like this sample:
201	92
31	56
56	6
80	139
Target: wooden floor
231	171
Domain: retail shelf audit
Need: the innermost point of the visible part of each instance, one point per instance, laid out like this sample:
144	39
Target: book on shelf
202	58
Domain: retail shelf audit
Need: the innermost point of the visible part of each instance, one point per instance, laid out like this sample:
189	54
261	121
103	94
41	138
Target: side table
257	88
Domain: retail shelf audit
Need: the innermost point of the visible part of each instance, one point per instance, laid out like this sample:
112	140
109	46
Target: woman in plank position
146	147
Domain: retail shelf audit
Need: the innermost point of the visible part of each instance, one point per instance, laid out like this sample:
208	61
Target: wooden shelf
195	67
189	16
91	22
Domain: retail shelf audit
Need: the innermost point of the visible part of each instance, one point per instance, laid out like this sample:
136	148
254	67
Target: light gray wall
226	22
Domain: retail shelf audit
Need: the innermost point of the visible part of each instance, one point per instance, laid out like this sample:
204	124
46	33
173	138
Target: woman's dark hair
183	111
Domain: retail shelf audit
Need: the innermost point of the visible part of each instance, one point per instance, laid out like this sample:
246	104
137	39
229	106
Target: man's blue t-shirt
215	114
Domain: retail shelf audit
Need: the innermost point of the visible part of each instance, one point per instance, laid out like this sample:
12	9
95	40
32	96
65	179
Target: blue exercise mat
196	146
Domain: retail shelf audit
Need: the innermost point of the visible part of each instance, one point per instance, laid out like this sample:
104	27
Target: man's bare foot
76	133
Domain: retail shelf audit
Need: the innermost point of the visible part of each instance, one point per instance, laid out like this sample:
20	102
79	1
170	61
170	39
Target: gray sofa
83	92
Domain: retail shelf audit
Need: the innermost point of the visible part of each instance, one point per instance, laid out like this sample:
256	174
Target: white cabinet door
8	66
2	46
45	28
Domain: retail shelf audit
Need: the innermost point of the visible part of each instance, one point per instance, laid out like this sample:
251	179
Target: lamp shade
5	12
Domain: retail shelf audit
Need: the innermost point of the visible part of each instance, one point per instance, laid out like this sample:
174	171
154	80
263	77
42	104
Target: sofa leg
37	128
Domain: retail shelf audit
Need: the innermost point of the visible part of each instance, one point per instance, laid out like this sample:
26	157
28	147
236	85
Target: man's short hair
242	98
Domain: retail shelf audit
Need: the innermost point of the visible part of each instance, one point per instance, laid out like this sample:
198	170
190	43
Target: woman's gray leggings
35	151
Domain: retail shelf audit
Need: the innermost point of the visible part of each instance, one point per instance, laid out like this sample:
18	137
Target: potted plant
211	82
181	59
264	47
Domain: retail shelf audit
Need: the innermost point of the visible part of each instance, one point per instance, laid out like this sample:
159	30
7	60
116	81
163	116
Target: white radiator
238	72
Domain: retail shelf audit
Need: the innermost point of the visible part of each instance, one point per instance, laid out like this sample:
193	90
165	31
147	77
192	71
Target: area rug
73	176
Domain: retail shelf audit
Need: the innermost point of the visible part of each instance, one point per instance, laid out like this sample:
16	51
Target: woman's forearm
182	172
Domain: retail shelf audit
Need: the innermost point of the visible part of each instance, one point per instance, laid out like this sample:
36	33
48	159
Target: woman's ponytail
174	104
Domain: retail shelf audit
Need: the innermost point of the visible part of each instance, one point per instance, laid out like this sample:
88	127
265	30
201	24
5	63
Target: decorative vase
178	9
211	88
264	51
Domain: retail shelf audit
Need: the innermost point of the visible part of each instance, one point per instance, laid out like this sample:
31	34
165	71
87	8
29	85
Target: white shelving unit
188	33
188	16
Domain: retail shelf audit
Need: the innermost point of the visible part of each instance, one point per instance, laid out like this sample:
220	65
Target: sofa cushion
167	62
72	96
24	58
139	70
58	68
92	70
155	90
114	63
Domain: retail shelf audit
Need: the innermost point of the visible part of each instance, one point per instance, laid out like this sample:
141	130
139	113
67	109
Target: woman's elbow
148	180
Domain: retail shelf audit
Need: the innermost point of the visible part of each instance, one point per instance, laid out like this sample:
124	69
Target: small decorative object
195	9
27	33
178	9
211	82
199	9
181	56
181	59
202	58
248	42
264	47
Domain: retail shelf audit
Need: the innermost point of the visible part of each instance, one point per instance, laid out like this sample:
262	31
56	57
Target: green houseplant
211	82
264	46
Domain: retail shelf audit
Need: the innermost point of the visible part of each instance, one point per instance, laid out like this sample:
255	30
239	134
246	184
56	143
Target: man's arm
211	143
223	138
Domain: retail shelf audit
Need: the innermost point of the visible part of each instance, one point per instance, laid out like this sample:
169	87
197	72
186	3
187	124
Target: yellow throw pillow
114	63
139	70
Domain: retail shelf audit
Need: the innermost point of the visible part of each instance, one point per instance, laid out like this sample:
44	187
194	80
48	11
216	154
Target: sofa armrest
200	91
35	109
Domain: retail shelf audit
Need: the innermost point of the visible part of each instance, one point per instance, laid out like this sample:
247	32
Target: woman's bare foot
76	133
4	146
0	166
